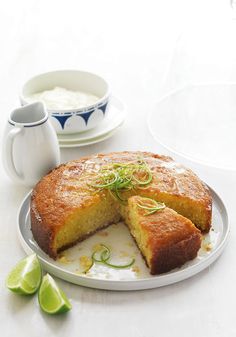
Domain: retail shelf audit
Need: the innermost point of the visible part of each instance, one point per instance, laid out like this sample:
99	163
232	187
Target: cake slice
165	238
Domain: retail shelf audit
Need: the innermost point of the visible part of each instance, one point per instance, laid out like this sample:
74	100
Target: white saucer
90	141
114	119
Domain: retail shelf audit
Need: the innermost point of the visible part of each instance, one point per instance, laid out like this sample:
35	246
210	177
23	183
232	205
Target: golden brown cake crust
176	255
65	189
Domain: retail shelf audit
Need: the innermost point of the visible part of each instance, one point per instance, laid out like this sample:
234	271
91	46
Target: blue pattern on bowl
85	115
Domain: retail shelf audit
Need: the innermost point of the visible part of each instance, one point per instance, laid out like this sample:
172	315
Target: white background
130	43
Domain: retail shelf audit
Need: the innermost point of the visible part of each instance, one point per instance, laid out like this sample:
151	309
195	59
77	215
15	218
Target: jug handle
9	154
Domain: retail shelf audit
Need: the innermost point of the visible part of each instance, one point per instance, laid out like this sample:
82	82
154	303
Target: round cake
66	208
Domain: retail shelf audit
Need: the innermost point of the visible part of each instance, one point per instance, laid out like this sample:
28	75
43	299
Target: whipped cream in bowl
60	98
76	100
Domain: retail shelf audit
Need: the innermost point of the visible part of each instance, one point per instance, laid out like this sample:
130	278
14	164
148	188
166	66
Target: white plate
88	142
117	237
115	117
198	122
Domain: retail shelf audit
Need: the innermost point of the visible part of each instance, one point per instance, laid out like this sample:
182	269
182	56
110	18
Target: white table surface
130	44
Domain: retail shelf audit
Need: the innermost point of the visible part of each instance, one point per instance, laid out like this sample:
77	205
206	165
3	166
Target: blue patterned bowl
73	120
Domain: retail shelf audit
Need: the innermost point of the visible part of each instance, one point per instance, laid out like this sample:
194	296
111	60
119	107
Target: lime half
25	277
52	299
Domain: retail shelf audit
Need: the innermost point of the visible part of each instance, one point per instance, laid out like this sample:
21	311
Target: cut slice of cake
165	238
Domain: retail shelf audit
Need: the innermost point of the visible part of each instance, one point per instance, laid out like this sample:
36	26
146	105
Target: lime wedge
25	277
52	299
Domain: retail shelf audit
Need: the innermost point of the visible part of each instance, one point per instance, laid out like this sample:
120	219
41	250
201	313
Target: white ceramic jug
30	145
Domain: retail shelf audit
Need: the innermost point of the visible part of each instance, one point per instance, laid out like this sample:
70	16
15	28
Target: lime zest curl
121	177
151	205
103	258
104	255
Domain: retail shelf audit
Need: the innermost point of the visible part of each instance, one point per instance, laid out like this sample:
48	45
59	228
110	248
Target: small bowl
71	120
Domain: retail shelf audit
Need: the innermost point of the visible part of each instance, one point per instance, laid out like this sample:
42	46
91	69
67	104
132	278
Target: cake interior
189	208
85	221
150	233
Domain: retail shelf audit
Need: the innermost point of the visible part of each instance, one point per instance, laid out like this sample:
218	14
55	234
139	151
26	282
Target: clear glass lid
196	116
198	122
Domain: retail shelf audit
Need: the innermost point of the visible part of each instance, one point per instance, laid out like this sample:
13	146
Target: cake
66	208
165	238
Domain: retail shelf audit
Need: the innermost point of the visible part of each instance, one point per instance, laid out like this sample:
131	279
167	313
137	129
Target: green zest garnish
121	177
150	205
103	258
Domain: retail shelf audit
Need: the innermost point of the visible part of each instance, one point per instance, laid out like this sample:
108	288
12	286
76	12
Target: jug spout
32	114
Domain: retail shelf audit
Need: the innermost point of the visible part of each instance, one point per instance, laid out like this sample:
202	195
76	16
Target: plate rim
137	284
